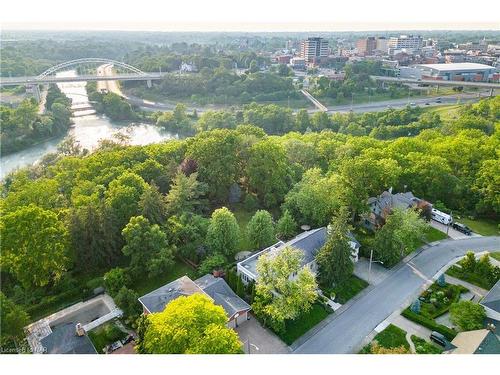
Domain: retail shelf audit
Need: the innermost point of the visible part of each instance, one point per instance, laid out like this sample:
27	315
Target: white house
308	242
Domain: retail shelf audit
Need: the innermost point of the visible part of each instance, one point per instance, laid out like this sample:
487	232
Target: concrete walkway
473	288
378	273
412	328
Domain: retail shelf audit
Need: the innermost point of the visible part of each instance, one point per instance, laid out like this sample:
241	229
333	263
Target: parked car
438	100
427	103
438	338
462	228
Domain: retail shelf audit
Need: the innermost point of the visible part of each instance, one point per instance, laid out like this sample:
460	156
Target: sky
250	15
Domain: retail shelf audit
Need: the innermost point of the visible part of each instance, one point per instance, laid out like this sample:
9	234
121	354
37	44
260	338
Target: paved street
345	333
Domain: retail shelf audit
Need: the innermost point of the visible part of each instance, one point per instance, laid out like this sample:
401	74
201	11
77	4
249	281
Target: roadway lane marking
417	272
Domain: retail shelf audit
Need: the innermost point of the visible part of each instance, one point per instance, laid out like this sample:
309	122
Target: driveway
377	275
452	233
259	340
346	332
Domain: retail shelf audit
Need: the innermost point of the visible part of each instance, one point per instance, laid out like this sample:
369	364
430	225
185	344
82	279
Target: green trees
185	193
216	154
286	227
401	234
267	172
152	205
116	107
210	120
115	279
334	258
123	195
34	246
487	185
260	229
147	247
467	315
189	325
314	199
279	296
223	233
12	321
126	299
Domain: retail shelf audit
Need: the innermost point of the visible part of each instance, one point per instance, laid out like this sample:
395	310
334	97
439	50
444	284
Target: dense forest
75	217
23	125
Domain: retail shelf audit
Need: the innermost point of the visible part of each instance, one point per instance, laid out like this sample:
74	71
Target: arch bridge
131	74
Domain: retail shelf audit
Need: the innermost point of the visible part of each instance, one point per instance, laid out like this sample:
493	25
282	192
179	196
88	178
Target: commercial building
409	43
298	63
312	50
458	72
366	46
382	44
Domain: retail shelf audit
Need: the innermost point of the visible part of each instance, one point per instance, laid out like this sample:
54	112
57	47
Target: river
88	129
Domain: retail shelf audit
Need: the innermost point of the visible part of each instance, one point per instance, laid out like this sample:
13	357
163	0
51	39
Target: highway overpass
432	82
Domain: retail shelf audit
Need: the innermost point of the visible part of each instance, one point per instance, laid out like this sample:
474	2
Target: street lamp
370	265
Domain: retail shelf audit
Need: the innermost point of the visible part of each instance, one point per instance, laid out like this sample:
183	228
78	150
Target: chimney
79	330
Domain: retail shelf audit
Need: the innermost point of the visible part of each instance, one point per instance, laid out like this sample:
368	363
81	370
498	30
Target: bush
115	279
212	263
429	323
467	315
126	299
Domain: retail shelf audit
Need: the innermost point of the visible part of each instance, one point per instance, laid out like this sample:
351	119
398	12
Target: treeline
23	126
222	86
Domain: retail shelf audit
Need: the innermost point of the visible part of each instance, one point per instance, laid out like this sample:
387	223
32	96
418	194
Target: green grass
243	217
495	255
446	112
485	227
105	335
391	337
148	284
346	290
429	323
472	278
424	347
434	234
298	327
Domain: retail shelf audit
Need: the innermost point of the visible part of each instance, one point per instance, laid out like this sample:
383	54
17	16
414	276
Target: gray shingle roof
222	294
156	300
63	340
492	299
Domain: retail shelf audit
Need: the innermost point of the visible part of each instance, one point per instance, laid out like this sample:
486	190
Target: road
346	332
402	103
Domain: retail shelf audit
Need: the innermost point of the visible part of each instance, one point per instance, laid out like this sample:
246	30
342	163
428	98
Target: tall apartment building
382	44
366	46
313	49
407	42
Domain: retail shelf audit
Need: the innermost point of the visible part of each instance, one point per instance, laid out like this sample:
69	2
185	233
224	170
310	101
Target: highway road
345	332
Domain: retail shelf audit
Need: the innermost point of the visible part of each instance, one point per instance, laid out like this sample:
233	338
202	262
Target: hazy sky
251	15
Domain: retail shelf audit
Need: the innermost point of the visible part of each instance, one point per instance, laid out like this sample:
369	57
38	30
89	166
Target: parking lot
452	233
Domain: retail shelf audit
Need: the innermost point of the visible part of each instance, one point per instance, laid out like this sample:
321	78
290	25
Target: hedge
429	323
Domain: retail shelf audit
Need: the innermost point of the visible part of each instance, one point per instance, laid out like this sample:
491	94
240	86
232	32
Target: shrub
212	263
115	279
126	299
467	315
429	323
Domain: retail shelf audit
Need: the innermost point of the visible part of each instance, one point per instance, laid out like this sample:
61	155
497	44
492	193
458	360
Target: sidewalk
473	288
378	272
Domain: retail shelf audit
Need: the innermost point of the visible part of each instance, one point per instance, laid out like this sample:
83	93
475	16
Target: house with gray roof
308	242
64	340
383	205
491	302
214	287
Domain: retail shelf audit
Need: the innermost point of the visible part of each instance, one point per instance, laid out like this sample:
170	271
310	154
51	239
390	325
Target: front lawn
485	227
298	327
434	234
148	284
106	335
391	337
470	277
424	347
346	290
437	300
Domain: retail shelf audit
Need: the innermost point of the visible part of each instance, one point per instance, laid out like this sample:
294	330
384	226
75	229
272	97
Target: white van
441	217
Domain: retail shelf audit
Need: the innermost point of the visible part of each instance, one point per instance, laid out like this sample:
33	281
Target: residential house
308	242
383	205
491	302
214	287
481	341
67	339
